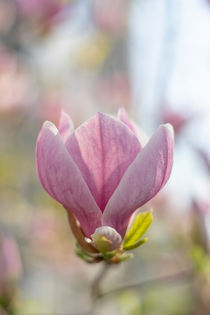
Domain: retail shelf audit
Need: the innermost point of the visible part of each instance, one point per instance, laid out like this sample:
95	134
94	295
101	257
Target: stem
95	289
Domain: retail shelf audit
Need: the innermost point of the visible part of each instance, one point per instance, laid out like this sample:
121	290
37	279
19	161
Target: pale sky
170	58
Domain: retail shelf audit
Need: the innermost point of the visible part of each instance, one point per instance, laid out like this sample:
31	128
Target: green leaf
137	244
139	227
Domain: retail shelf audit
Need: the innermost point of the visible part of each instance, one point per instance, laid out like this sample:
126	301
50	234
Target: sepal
87	257
113	257
125	257
119	257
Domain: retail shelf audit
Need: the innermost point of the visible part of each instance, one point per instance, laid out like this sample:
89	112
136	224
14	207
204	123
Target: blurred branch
6	310
168	54
97	293
95	289
2	311
177	277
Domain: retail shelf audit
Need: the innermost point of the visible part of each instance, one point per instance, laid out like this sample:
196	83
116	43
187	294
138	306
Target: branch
95	289
180	276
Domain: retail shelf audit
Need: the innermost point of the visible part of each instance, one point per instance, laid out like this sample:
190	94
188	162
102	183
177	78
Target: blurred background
153	58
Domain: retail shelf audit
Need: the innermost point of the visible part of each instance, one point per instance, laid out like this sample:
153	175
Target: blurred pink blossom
15	84
204	157
200	220
101	172
114	90
177	120
51	107
10	263
47	8
40	14
7	15
110	16
201	206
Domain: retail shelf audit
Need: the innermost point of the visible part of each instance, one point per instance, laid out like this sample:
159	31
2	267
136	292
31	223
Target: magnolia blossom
102	172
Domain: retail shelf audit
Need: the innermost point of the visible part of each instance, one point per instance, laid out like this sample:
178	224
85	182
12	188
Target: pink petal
62	179
122	115
103	148
66	126
143	179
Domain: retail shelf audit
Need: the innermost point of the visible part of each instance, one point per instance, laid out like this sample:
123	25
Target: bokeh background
153	58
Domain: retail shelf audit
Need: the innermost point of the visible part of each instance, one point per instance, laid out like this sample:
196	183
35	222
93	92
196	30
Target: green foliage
200	259
129	302
175	300
140	225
